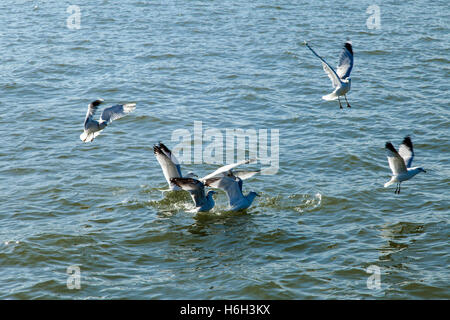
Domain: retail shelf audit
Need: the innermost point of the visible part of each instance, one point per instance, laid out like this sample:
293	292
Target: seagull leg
396	189
340	105
399	187
348	105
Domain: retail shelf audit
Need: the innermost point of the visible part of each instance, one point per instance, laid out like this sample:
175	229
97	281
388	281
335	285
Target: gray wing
171	156
227	168
92	108
244	175
345	64
194	187
116	112
169	164
231	185
396	162
406	151
335	80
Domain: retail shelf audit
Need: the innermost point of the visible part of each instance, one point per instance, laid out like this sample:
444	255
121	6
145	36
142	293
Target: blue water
321	220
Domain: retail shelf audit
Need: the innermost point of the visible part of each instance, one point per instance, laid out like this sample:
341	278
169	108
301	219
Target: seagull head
211	193
97	102
422	170
253	194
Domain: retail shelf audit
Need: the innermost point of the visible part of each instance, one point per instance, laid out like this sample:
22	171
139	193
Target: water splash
309	202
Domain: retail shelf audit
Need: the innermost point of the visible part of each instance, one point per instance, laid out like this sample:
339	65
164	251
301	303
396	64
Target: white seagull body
92	128
232	185
400	163
169	165
340	79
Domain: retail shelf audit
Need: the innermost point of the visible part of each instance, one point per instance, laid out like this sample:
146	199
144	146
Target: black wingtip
348	46
390	147
164	148
407	142
156	149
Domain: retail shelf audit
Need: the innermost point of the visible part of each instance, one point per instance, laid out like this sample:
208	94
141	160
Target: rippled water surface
320	222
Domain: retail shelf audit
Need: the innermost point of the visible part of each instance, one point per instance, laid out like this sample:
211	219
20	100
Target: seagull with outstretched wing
231	182
169	164
340	78
92	128
232	185
227	168
400	163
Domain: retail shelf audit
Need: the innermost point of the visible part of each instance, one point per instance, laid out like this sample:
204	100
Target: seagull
196	187
92	128
169	165
232	185
341	78
203	202
400	163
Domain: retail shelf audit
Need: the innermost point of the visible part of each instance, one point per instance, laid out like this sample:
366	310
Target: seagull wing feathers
406	151
335	80
117	111
231	185
169	167
227	168
396	162
345	64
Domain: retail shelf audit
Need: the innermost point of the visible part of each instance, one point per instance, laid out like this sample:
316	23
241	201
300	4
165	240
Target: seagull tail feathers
330	97
83	136
88	137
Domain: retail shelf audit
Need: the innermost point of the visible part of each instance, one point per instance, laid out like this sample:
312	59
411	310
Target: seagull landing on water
169	165
341	78
232	185
400	163
92	128
204	201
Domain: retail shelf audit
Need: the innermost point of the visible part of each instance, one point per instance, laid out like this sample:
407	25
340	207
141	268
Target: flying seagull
232	185
92	128
169	165
203	201
341	78
400	163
